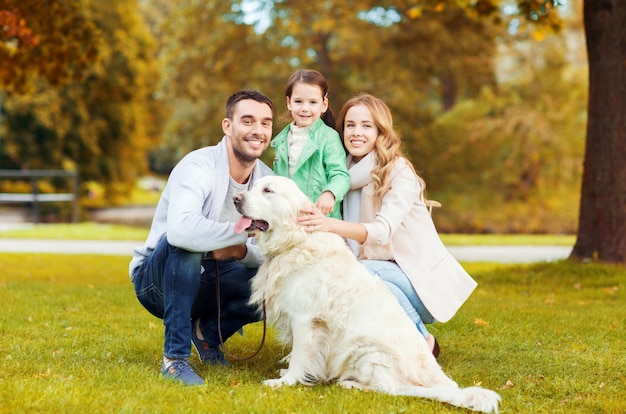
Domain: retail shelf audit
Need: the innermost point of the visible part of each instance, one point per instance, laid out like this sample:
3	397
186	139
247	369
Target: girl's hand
312	219
326	202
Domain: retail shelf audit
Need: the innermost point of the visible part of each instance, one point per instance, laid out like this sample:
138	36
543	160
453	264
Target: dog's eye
267	190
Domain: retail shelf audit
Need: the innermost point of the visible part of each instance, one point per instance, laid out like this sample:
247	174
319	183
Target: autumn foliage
56	41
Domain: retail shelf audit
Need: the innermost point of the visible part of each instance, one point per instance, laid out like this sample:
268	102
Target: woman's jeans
179	286
398	283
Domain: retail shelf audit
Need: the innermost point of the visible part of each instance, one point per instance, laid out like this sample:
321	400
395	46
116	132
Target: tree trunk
449	88
602	222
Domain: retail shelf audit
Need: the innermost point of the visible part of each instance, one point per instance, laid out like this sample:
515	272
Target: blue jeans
178	286
398	283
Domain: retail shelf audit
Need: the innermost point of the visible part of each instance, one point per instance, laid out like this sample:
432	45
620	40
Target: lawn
550	338
95	231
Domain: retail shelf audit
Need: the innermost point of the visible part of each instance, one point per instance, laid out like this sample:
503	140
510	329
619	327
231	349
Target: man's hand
236	252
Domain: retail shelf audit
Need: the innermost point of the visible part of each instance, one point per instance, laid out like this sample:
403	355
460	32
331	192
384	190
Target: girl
309	150
388	223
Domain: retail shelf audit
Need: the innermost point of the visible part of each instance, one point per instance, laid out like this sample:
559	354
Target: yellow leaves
414	12
480	322
538	35
612	290
44	374
508	384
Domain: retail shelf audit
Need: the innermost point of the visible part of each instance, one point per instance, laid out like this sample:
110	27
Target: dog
342	323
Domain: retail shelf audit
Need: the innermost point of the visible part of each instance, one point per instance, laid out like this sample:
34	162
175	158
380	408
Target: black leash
219	320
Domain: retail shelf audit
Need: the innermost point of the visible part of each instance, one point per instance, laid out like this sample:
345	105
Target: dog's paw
480	399
348	384
277	382
274	383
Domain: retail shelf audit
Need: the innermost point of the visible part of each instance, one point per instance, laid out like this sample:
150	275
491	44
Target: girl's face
306	104
359	131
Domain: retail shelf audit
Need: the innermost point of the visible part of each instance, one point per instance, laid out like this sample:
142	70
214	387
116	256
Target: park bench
35	197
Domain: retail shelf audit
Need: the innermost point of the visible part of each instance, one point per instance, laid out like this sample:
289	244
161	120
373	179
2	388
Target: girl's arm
334	159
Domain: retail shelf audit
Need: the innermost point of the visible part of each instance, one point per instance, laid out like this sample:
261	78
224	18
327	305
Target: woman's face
359	131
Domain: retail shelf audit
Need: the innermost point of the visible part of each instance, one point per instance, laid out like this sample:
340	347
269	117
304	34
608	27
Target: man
192	238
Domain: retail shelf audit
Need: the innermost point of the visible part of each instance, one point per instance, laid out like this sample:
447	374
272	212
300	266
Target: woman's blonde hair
387	145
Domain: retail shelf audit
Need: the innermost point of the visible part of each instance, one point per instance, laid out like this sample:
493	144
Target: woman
387	220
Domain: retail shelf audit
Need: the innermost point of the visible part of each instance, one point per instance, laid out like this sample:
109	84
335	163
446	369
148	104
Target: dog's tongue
242	224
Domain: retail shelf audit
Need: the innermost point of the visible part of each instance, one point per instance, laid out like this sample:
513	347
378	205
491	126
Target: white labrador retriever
343	323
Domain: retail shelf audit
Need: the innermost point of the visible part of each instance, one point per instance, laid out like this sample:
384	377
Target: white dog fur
343	323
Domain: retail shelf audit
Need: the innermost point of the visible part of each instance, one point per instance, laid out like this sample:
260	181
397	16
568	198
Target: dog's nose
238	199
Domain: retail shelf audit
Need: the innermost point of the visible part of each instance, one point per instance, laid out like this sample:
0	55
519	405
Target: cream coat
402	228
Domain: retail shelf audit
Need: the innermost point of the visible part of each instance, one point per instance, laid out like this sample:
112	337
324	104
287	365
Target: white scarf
360	176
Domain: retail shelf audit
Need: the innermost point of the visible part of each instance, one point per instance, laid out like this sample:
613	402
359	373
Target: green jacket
321	167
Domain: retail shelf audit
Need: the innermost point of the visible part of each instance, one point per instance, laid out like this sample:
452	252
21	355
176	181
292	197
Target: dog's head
271	207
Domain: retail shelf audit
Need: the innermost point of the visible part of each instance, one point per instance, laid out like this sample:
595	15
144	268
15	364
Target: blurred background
490	96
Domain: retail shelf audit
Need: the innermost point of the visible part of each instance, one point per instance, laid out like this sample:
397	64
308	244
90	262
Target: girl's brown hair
315	78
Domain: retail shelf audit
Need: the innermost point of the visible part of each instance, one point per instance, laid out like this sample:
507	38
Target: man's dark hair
246	94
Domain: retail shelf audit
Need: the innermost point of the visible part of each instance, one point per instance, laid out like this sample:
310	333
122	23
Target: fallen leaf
508	384
480	322
45	374
610	290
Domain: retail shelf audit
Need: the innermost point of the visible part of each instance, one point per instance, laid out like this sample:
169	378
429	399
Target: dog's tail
474	398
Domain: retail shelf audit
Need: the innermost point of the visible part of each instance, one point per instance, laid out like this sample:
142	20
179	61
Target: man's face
249	130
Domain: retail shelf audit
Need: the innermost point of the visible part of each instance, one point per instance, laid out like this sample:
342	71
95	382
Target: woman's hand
312	219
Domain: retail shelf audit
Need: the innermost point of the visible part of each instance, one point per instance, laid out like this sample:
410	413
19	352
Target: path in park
502	254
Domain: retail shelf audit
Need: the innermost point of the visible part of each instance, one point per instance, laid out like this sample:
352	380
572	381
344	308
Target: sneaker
179	370
208	354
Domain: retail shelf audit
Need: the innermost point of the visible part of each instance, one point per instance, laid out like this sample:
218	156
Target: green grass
94	231
78	231
74	339
508	239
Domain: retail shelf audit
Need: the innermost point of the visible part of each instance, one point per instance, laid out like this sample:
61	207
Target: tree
509	160
103	125
56	41
602	222
206	58
216	47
